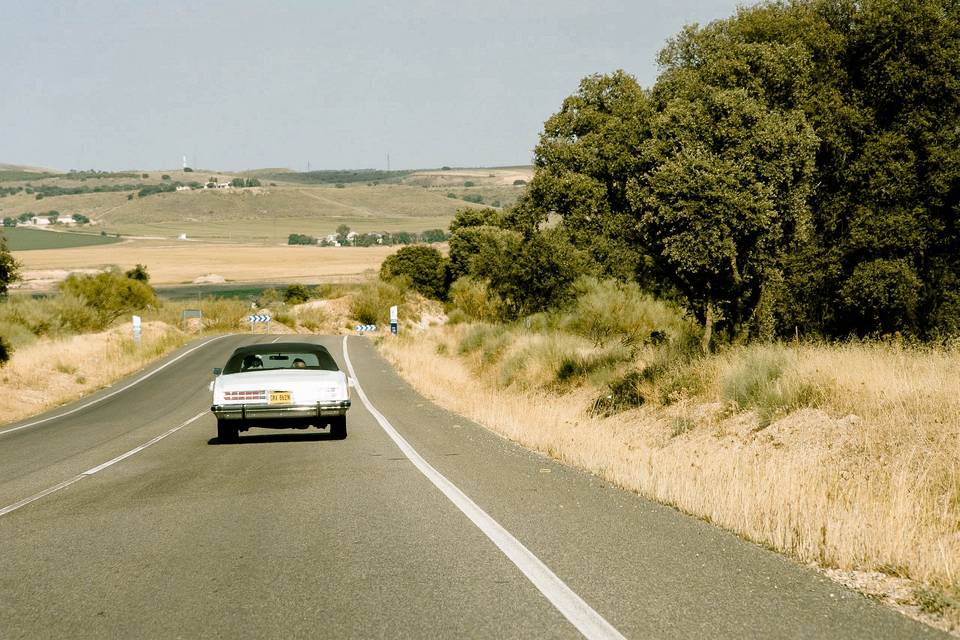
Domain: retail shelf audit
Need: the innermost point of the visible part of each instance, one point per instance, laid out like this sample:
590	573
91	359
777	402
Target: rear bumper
272	412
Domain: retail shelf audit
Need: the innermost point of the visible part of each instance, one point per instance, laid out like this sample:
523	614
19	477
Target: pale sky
241	84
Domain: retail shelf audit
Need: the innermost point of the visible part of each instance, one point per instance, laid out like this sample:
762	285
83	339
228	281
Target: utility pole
388	162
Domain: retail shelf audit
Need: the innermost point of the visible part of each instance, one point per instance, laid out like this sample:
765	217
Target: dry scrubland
172	262
843	456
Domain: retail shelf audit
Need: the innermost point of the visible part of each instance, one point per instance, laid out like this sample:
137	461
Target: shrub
139	272
223	313
425	267
110	294
519	183
607	310
476	198
371	303
296	294
6	350
472	299
313	319
489	340
761	379
468	183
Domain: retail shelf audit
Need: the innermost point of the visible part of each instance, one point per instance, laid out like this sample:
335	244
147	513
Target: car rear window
312	360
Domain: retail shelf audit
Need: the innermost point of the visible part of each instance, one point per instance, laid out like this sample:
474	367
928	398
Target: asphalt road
442	530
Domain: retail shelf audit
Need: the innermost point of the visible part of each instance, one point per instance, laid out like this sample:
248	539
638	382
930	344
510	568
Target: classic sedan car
280	385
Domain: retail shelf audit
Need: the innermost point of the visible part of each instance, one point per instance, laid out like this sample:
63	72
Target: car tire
338	427
227	431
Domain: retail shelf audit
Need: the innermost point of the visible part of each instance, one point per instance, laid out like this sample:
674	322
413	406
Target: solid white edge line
581	615
89	472
113	393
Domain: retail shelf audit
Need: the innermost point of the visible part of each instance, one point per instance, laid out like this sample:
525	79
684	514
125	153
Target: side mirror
217	371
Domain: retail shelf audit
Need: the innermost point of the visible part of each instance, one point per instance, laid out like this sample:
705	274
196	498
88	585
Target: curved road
419	525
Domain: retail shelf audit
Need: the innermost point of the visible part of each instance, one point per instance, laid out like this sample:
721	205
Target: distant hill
315	203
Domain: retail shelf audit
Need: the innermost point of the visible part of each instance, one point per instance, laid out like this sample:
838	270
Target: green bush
472	299
6	350
223	314
371	304
110	294
425	267
139	272
489	340
758	381
609	311
296	294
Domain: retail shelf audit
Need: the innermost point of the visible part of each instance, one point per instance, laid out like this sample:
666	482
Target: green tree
424	266
9	222
531	274
79	218
139	272
343	231
431	236
9	268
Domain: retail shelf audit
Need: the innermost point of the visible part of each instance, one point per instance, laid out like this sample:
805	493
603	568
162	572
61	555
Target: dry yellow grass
171	262
48	373
869	482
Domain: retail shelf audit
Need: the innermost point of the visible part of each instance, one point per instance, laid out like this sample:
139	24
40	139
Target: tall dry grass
49	372
844	456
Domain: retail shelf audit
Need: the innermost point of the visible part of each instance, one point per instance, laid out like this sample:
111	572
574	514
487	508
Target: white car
280	385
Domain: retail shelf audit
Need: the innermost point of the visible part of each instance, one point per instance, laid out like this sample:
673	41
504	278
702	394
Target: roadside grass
51	372
842	455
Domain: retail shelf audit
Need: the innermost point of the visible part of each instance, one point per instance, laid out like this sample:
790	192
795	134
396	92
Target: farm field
21	239
270	213
171	263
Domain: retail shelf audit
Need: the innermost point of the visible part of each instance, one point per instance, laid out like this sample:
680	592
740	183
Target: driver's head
252	362
299	364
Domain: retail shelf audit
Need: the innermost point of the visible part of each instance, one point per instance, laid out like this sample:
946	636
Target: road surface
123	516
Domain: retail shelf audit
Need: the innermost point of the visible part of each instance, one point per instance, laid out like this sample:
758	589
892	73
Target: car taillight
244	395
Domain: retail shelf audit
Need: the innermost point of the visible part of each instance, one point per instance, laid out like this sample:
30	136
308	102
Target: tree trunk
707	329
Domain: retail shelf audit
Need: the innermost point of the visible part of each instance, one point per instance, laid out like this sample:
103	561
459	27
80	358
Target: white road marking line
22	503
124	456
275	339
89	472
113	393
587	621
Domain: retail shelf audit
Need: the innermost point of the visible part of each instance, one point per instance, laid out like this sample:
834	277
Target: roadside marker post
136	329
393	319
260	318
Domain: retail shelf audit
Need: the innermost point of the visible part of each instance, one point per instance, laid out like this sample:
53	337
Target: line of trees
344	238
795	169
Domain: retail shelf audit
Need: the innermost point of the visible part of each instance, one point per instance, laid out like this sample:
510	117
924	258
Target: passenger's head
252	361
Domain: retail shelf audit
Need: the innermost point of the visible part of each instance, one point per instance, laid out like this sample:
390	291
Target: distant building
43	221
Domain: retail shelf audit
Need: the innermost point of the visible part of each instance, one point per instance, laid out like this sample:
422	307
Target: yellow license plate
281	397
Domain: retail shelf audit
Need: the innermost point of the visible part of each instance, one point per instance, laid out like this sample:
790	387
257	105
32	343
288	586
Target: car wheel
338	427
227	431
